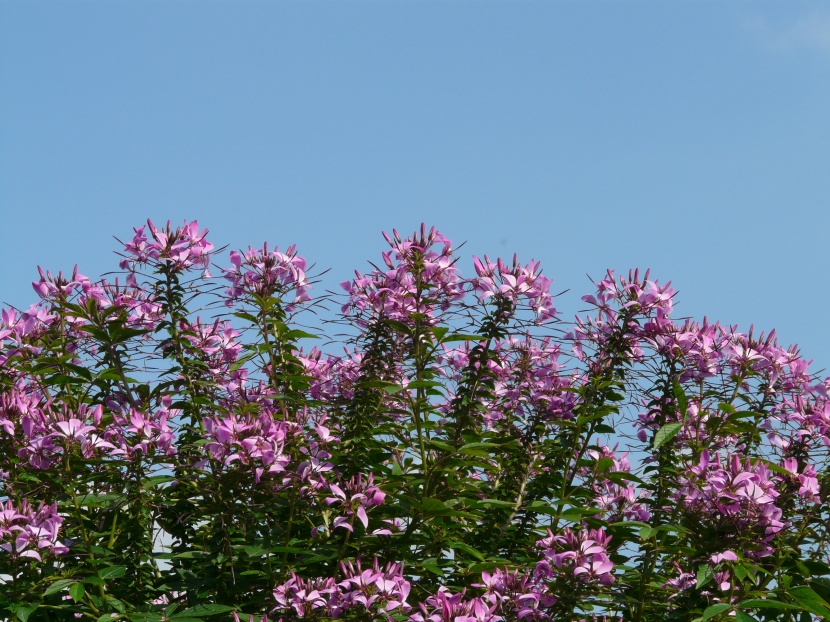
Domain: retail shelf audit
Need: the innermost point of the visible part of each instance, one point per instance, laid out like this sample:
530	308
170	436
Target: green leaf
202	610
431	564
646	533
542	507
462	337
575	515
809	600
495	503
629	523
290	549
116	604
714	610
192	555
424	384
822	586
666	433
112	572
246	316
761	603
155	480
23	611
704	575
680	396
440	445
619	477
433	506
76	591
399	326
99	501
57	586
480	446
59	379
439	331
742	616
300	334
461	546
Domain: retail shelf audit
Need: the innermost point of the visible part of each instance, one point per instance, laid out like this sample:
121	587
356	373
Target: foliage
460	454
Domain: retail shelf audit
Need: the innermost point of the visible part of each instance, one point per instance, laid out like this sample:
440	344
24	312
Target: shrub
171	449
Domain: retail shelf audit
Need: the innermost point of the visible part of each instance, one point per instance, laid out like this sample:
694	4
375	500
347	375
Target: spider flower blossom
444	606
620	502
419	276
359	495
582	554
216	343
618	302
182	248
514	593
736	498
515	283
255	442
378	590
26	532
266	273
139	433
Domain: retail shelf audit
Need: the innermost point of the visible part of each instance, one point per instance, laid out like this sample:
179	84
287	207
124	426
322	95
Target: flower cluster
265	273
420	276
506	595
736	499
359	495
50	430
515	283
181	249
618	499
378	590
582	554
528	381
619	302
631	466
26	532
256	443
216	343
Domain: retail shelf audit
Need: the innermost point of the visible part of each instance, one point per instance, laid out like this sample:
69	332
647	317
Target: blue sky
689	137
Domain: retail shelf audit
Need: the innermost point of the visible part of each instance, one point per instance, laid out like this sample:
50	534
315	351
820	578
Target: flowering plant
171	449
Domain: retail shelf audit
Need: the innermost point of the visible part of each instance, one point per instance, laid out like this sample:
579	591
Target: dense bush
170	447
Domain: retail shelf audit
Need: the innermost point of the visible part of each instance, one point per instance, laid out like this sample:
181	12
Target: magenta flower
255	442
182	248
265	273
582	554
359	495
421	263
516	283
29	533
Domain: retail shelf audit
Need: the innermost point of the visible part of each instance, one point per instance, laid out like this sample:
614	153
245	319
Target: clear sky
689	137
